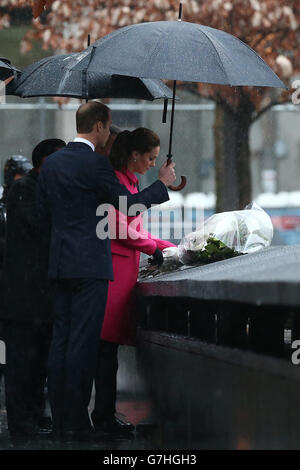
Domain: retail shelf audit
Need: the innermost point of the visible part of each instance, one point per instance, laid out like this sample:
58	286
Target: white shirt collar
85	141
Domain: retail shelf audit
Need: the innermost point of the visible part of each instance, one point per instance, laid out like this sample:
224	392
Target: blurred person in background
15	167
131	152
27	312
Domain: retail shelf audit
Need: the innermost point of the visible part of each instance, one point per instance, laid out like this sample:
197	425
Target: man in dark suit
73	183
27	312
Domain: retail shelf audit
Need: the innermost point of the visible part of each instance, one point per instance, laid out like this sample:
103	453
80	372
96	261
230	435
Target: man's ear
99	125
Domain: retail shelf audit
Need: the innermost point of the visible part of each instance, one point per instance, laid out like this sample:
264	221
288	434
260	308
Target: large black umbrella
57	76
178	50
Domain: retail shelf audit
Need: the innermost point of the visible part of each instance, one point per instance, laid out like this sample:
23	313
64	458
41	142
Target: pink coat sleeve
129	233
161	244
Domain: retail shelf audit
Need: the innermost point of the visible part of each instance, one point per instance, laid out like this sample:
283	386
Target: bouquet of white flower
227	234
220	237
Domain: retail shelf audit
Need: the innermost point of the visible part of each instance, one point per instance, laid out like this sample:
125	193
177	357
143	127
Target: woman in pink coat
132	152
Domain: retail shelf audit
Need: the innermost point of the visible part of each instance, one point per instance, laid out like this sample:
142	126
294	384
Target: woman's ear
135	155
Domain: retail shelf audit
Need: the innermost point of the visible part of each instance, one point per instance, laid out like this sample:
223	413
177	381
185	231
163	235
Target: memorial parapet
215	351
250	301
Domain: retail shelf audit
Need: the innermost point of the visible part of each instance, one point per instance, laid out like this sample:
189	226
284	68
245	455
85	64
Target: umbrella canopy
57	76
6	69
178	50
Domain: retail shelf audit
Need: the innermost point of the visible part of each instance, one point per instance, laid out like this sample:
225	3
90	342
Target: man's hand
167	174
8	80
157	258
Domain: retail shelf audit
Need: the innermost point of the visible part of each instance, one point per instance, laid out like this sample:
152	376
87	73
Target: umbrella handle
182	183
180	186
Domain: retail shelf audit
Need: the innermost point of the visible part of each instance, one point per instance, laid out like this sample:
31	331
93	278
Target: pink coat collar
132	179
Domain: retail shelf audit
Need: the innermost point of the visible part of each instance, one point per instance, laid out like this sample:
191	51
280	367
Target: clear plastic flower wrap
171	258
227	234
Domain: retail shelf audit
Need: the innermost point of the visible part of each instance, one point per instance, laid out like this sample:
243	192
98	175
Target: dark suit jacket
2	232
73	182
2	245
26	294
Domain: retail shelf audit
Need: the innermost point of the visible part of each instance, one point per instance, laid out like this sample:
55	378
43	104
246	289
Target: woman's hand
167	174
157	258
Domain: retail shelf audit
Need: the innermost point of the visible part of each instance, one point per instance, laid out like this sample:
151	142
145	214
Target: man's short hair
90	113
45	148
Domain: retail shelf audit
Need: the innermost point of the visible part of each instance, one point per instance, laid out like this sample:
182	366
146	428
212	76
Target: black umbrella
178	50
56	76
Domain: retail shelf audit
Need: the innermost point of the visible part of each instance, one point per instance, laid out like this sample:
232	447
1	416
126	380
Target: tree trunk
232	154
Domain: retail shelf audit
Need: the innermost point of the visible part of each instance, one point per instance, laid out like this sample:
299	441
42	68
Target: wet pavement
134	406
136	412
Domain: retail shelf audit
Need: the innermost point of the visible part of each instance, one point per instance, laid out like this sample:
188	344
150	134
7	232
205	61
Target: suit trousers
105	383
27	346
79	306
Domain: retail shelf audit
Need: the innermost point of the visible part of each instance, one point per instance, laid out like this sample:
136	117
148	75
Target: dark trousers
79	306
105	383
27	347
2	368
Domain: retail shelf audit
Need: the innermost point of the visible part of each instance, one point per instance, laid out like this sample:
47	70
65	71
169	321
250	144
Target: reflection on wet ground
135	412
135	406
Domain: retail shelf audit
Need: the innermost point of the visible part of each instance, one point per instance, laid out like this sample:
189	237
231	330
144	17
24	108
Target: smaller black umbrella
55	76
6	69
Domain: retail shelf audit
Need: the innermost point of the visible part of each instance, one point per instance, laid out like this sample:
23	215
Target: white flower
285	65
228	6
256	5
195	7
55	5
288	12
216	4
256	19
46	35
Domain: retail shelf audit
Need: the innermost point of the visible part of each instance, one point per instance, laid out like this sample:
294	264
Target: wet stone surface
141	440
135	411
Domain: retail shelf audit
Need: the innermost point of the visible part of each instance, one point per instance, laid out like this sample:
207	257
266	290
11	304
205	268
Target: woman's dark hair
45	148
141	140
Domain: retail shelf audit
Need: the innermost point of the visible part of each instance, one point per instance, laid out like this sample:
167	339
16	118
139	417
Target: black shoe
45	423
44	433
44	427
114	427
128	426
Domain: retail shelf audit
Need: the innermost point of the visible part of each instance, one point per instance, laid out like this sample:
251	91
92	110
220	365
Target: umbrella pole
180	11
88	43
169	156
